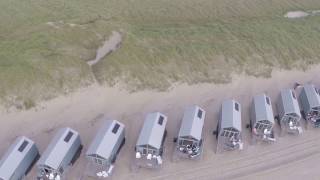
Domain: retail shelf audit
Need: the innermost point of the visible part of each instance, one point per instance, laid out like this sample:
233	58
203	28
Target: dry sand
289	158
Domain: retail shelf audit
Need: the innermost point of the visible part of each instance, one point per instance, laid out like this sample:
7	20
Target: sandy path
108	47
83	111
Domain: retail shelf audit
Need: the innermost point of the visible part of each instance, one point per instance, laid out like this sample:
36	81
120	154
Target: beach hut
190	140
229	127
149	147
18	159
60	154
289	112
262	119
310	104
105	147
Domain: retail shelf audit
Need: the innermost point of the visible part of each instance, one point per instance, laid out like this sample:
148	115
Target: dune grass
44	45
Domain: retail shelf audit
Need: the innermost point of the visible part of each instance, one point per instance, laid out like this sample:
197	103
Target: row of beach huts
65	147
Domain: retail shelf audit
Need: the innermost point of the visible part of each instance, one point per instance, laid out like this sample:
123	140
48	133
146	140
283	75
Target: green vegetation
44	45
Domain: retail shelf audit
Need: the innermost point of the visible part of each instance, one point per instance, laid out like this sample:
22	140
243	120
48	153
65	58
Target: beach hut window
160	122
115	128
200	114
268	100
98	161
68	137
23	146
236	106
293	95
144	151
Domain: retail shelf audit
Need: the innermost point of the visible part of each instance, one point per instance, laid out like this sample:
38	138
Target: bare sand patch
60	24
53	24
108	47
315	11
301	14
296	14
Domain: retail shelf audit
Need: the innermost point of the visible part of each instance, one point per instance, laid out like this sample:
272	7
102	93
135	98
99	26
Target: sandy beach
289	158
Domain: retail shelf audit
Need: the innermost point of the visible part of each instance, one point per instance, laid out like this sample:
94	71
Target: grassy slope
164	41
204	41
